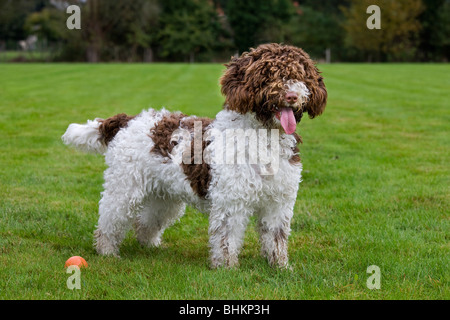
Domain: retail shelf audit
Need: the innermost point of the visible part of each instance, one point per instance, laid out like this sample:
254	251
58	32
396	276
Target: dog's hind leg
155	216
113	223
122	198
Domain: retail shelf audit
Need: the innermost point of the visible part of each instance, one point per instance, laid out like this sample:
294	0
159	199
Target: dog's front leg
274	229
226	234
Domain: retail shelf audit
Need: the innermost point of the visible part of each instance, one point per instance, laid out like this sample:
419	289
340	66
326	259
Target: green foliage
435	31
212	30
188	28
12	18
256	21
46	24
397	38
315	31
443	41
131	32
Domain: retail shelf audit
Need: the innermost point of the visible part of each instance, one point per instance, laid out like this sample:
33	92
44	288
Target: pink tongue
287	120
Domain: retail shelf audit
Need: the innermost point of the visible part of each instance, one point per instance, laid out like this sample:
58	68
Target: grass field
36	56
375	188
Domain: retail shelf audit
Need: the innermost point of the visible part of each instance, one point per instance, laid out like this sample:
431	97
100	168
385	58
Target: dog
146	185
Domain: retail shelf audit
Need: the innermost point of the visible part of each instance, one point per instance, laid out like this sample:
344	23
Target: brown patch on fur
224	247
162	132
295	159
280	236
198	174
109	127
279	255
254	82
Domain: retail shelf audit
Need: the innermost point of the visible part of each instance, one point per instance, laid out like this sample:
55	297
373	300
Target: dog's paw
227	264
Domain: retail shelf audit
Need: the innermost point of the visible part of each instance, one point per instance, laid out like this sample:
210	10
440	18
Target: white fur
143	187
300	88
84	137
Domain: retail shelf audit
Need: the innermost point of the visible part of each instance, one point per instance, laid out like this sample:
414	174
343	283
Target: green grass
36	56
375	188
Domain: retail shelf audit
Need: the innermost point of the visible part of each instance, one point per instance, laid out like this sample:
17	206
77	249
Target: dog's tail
85	137
95	135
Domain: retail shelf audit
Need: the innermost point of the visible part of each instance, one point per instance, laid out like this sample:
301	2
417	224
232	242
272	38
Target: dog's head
276	82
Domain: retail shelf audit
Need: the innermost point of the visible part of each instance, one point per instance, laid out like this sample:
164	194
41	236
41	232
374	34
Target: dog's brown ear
234	86
317	99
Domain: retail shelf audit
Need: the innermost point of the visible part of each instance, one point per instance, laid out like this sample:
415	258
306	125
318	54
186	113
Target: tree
276	27
132	33
315	31
120	29
48	24
434	34
13	14
396	40
188	28
256	21
444	35
317	26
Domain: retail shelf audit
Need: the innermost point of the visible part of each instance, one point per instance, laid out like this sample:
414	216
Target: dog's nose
291	97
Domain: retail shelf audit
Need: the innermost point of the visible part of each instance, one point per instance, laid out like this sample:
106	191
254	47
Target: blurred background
213	30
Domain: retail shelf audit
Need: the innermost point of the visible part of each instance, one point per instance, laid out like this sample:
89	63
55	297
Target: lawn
37	56
375	188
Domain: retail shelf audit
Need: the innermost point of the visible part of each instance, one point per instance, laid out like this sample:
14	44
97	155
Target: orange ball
76	261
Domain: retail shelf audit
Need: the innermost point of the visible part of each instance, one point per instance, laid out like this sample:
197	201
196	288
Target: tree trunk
94	32
92	53
148	55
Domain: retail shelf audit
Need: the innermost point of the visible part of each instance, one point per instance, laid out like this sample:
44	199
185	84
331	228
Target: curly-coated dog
160	161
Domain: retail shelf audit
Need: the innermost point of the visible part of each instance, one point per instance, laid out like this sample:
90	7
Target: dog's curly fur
269	87
256	81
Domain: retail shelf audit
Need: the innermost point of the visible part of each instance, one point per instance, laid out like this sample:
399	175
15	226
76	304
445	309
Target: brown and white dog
160	161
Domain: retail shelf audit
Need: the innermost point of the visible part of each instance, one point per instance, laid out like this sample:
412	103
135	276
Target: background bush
212	30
